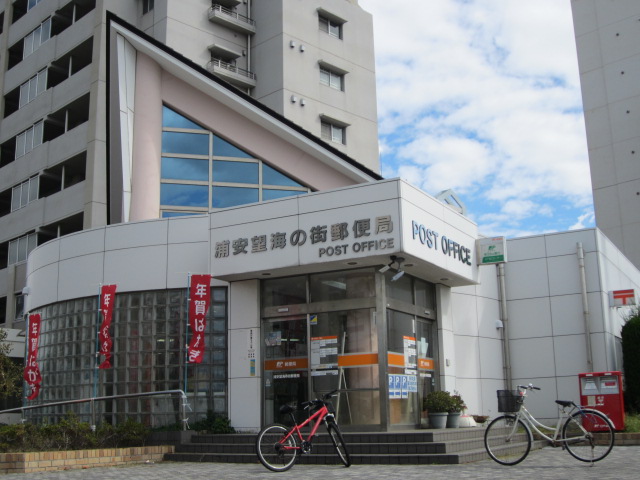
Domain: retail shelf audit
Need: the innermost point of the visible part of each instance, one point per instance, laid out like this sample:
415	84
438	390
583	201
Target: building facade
54	165
324	275
608	45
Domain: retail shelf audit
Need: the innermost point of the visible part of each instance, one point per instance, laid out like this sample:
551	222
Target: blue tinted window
190	143
273	194
271	176
222	148
235	172
185	169
173	119
184	195
178	214
222	197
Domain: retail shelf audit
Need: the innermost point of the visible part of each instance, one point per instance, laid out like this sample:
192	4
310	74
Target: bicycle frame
318	416
538	427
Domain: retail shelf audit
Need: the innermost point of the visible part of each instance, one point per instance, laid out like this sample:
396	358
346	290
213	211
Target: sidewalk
623	463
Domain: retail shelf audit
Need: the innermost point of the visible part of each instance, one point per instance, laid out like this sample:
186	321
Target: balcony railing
220	14
236	75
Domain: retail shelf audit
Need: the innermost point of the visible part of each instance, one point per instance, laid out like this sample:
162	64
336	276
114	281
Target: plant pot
453	419
438	419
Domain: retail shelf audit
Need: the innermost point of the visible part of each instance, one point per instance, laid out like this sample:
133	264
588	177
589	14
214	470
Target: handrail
232	14
92	400
232	68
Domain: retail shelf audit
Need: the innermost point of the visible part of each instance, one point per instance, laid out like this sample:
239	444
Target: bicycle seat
284	409
564	403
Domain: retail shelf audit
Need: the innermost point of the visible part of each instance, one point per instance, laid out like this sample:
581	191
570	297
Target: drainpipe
506	355
249	42
585	305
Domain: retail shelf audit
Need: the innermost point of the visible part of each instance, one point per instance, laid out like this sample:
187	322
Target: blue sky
483	97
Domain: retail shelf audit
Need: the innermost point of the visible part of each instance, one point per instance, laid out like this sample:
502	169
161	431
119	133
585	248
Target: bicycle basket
509	401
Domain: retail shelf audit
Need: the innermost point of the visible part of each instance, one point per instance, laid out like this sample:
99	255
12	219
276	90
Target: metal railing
230	13
231	68
93	400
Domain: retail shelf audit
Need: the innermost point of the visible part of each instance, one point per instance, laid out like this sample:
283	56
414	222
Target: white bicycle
586	434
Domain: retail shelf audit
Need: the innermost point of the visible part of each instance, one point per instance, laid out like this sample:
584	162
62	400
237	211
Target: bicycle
277	446
586	434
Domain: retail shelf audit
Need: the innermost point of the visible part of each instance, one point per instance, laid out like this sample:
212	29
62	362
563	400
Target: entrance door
426	347
286	364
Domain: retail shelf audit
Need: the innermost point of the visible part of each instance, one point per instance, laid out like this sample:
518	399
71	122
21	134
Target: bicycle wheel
507	440
588	435
273	451
338	443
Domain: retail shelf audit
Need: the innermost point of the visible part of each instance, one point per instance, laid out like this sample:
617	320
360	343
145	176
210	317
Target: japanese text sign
32	371
199	297
107	299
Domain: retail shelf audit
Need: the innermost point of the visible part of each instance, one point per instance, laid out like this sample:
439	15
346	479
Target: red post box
603	391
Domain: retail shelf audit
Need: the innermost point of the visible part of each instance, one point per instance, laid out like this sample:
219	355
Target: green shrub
213	424
131	434
437	402
630	334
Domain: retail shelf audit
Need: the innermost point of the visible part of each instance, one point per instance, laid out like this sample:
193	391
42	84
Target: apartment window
24	193
19	304
333	132
201	171
36	38
147	6
20	248
29	139
30	89
331	78
332	27
32	3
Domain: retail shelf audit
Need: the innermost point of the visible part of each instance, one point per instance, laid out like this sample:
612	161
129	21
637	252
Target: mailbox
603	391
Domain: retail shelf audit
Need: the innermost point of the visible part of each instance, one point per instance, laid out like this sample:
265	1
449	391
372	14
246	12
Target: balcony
237	76
230	19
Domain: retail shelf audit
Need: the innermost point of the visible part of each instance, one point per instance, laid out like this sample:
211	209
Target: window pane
29	140
178	214
28	45
175	120
32	242
24	195
15	198
235	172
324	76
24	94
284	291
33	86
46	31
337	134
42	81
33	188
22	249
185	169
38	129
231	196
273	194
13	252
335	30
190	143
222	148
184	195
271	176
20	144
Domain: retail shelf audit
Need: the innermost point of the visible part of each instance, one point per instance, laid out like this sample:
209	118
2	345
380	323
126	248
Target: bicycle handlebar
528	387
317	402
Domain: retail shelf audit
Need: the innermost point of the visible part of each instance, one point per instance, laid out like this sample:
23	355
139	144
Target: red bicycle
277	446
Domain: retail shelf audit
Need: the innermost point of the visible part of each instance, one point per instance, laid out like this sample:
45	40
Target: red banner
199	297
31	370
107	299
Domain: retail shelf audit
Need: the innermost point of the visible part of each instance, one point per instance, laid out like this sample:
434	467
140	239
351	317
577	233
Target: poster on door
324	352
400	386
410	355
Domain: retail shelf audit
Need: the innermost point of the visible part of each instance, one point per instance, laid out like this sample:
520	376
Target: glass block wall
148	331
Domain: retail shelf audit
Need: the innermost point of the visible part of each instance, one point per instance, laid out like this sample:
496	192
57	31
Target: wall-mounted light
292	44
499	324
302	47
294	99
303	102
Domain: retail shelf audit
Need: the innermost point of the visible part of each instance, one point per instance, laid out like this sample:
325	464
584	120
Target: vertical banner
199	297
32	371
107	299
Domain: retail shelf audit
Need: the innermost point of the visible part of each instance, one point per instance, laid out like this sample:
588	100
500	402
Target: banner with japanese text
199	298
107	300
32	371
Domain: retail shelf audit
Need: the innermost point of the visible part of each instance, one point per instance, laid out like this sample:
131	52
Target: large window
20	248
24	193
33	87
36	38
147	6
29	139
201	171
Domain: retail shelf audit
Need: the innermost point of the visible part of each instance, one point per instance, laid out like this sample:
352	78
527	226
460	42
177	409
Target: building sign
363	235
492	250
622	298
431	239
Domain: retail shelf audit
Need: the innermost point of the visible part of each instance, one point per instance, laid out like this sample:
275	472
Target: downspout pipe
504	318
585	305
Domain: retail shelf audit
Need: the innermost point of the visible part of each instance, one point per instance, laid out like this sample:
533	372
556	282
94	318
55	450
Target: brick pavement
622	464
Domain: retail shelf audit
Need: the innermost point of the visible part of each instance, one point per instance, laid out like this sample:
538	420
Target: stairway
446	446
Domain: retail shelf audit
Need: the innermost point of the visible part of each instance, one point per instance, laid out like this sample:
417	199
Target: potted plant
455	410
437	404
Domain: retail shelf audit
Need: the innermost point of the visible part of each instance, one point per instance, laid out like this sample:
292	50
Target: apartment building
608	44
309	61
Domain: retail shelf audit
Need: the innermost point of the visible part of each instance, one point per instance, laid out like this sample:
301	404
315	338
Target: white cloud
482	96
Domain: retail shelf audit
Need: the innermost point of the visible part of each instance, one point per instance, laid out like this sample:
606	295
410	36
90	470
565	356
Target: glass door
426	348
285	365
